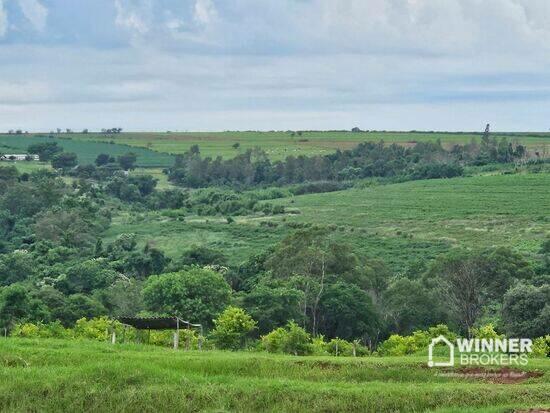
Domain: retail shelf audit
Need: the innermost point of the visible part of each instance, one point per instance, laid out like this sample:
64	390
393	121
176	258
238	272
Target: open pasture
86	151
282	144
399	222
55	375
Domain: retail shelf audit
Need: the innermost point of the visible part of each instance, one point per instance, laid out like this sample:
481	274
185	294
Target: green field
282	144
398	222
87	151
55	375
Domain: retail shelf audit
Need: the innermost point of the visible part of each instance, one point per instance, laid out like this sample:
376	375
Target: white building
18	157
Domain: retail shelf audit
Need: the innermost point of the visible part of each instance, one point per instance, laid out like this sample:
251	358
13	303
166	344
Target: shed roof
156	323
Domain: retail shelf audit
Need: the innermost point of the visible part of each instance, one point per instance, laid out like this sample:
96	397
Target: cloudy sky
275	64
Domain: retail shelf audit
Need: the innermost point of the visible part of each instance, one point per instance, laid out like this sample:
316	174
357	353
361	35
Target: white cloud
35	12
3	20
134	15
205	12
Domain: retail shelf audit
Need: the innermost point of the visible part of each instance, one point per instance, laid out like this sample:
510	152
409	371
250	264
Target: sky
209	65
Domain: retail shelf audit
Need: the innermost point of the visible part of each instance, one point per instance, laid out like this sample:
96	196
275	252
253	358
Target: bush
339	347
397	345
231	328
99	329
291	340
41	330
541	346
487	331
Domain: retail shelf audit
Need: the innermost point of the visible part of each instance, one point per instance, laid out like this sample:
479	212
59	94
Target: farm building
18	157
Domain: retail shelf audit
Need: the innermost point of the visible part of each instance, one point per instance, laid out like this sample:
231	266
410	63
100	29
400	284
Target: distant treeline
425	160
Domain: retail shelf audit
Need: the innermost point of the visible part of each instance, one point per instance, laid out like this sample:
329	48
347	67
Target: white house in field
18	157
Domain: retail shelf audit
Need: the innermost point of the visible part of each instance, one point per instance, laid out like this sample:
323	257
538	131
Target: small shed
161	323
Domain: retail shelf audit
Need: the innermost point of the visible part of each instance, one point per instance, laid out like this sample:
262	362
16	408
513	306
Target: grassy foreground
56	375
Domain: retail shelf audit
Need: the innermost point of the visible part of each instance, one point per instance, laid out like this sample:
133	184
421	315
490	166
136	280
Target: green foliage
273	305
45	150
231	328
99	329
40	330
541	346
196	294
127	161
291	340
64	160
526	311
487	332
202	255
397	345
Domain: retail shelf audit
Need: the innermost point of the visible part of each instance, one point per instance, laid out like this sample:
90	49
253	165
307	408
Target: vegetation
80	375
369	251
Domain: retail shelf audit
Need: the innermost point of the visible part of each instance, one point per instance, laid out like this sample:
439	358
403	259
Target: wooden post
177	334
336	349
200	339
113	338
188	337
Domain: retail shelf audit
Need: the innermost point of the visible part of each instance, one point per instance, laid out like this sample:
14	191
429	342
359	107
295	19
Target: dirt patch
322	365
504	375
532	411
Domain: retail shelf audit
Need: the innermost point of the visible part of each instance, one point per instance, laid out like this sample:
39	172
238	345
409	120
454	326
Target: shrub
541	346
487	331
291	340
99	328
339	347
40	330
232	327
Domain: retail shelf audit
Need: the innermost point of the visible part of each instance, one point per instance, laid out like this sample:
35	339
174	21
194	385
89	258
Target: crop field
282	144
87	151
398	222
56	375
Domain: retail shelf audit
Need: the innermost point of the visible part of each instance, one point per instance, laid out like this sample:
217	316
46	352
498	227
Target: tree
526	311
45	151
471	281
409	305
88	276
17	306
79	306
231	328
64	160
122	298
311	256
104	159
202	255
70	228
127	161
463	283
273	305
196	294
347	312
15	267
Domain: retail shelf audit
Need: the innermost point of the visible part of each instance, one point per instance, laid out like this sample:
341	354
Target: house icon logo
437	340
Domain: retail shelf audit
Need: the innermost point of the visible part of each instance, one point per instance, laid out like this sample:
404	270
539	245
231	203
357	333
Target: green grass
399	223
281	144
87	151
473	211
55	375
